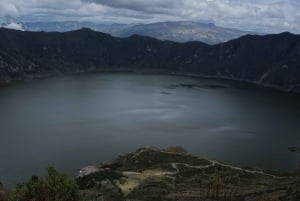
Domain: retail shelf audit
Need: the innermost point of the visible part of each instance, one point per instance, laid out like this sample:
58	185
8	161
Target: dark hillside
271	60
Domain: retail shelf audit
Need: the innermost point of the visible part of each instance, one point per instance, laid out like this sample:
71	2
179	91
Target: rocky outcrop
271	60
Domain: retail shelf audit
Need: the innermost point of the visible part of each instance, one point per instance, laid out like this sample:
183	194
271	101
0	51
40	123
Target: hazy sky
257	15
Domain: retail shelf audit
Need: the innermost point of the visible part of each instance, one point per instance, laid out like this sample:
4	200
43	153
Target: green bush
54	187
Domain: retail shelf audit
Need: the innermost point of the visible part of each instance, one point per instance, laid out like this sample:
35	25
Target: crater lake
79	120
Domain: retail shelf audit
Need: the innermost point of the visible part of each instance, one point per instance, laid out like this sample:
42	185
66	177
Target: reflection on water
75	121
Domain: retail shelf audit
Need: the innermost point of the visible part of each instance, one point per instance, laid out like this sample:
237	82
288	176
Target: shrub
54	187
3	193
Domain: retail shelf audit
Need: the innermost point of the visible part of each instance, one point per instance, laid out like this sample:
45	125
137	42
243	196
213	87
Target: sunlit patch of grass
129	183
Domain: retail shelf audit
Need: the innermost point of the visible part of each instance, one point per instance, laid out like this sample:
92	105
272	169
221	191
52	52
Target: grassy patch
89	181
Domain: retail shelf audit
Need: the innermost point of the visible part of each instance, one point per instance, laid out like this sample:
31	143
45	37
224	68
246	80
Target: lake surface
78	120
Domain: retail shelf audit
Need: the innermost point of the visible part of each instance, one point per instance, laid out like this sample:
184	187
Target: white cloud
267	15
13	25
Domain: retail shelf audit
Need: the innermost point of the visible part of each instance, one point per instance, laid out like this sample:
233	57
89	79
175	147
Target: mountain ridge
270	60
178	31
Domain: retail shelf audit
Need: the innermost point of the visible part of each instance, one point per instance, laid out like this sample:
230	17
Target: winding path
214	163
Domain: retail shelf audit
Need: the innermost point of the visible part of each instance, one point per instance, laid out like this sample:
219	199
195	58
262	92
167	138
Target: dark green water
75	121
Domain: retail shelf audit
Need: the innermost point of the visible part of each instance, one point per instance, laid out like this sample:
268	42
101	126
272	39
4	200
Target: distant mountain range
182	31
270	60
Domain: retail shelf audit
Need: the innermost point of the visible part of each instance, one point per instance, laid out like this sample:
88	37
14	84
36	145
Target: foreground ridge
155	174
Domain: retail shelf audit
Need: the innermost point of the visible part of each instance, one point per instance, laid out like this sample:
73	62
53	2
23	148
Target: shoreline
258	84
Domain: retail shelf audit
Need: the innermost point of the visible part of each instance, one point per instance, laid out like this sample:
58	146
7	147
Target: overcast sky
256	15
